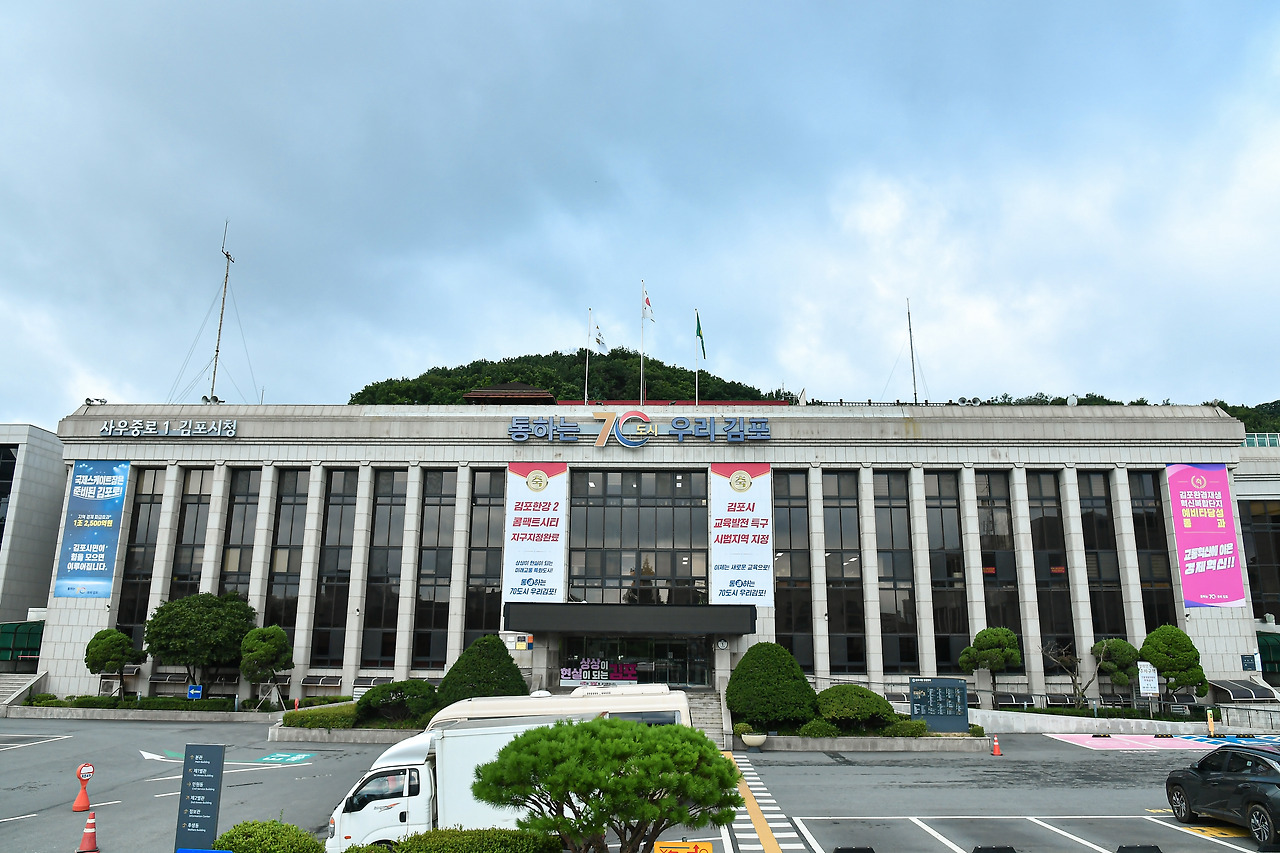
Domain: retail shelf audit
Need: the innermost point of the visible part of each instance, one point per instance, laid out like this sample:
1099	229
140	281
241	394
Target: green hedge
94	702
768	689
906	728
1197	714
267	836
479	841
854	706
324	717
819	728
315	701
398	701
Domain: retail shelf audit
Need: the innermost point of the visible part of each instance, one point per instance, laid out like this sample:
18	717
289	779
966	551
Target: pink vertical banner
1204	530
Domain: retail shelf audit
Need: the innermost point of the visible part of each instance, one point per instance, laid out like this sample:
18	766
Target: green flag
701	339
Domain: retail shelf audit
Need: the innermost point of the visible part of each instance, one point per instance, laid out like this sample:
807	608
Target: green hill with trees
616	376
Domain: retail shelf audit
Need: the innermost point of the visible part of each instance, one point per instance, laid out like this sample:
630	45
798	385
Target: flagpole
642	342
586	376
696	364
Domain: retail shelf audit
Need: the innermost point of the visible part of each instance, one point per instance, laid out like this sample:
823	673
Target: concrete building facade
375	535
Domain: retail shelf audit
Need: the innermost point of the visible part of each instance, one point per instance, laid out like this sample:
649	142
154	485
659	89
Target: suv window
1214	762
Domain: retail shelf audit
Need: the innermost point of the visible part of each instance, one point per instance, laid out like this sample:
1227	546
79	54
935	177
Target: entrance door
675	661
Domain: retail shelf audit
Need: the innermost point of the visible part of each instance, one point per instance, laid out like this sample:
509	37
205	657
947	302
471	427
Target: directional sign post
199	797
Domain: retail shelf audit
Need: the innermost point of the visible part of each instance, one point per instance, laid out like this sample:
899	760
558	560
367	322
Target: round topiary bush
399	700
768	689
267	836
851	706
485	668
819	728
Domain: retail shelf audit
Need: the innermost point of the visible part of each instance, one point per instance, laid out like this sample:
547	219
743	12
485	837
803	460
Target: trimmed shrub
741	729
906	728
53	703
324	717
267	836
37	698
314	701
485	668
479	841
976	730
95	702
851	706
768	689
399	700
819	728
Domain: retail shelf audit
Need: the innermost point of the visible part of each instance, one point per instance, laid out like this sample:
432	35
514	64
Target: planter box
777	743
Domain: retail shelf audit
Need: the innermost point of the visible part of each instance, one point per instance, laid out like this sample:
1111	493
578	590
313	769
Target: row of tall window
380	614
8	464
641	537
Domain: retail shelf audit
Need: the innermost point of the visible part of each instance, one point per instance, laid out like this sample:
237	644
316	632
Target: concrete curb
778	743
290	734
27	712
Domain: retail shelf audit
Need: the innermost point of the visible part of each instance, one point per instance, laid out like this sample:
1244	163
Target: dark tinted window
1214	762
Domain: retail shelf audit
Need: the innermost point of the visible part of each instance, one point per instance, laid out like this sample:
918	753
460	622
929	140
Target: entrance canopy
638	619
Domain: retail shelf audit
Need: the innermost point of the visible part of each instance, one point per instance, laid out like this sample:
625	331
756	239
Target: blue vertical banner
91	530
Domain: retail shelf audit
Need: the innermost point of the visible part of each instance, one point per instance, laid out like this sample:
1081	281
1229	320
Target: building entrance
675	661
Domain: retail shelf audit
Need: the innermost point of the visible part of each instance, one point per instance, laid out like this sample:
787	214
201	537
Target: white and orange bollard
84	773
995	745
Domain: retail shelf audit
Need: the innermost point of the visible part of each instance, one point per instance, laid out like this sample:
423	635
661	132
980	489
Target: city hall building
657	543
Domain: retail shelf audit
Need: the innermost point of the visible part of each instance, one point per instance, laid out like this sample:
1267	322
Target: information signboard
741	510
1148	684
943	703
199	796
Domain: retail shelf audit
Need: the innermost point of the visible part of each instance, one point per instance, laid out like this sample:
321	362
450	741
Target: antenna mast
217	347
915	395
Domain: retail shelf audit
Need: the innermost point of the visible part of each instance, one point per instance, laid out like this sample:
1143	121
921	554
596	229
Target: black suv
1239	784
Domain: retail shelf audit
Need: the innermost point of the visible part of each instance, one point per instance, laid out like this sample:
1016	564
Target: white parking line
33	743
1196	834
953	848
1066	834
19	817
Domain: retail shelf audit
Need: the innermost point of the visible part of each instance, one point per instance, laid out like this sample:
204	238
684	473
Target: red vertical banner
741	504
533	555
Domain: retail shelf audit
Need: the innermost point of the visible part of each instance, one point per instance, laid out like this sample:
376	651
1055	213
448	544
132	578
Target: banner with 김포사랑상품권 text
91	530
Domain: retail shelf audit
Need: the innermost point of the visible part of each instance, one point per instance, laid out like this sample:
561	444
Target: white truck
424	782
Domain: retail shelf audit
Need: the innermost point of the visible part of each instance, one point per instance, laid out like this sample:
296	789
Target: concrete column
928	652
353	636
409	572
1135	621
458	576
1077	574
870	577
975	592
215	528
1028	601
166	536
310	571
264	527
818	578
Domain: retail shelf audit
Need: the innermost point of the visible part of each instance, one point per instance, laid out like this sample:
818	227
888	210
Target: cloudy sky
1074	197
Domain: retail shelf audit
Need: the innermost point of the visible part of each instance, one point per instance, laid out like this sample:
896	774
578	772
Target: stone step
704	711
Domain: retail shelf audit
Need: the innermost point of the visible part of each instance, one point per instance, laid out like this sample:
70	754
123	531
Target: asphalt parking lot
1043	794
134	790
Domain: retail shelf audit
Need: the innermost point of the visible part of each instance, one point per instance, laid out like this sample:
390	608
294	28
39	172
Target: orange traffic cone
89	841
995	745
